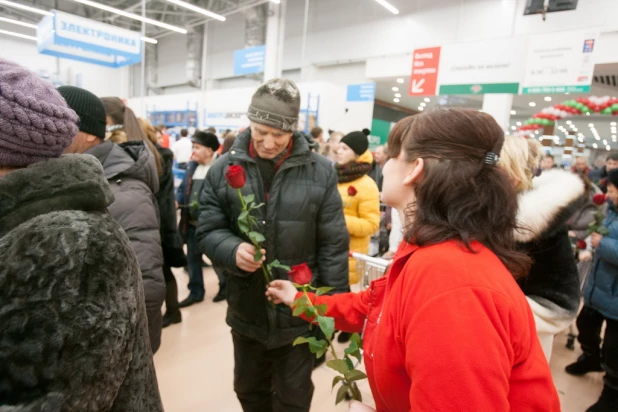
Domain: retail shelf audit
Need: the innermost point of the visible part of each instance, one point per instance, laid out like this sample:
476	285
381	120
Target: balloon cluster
576	107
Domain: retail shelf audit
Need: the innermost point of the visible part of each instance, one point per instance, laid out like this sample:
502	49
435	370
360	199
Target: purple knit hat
35	121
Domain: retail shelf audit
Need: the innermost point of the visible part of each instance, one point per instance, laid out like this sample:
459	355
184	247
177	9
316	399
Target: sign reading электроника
65	35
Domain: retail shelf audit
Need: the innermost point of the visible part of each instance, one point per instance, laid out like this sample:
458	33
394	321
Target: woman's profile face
394	192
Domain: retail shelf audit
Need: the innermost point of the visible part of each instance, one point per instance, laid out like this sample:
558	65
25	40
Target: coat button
233	152
263	222
119	181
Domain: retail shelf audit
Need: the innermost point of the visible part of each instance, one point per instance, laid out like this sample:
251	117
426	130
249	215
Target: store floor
195	364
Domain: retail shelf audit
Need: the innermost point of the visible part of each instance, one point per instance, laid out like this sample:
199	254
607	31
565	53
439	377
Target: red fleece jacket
448	330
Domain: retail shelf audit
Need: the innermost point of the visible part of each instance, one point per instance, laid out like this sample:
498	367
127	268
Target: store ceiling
160	10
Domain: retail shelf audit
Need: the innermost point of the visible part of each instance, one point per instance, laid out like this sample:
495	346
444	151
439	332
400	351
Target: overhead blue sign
73	37
249	61
365	92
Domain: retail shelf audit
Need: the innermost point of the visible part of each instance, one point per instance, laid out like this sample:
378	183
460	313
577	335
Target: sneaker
584	365
608	402
171	318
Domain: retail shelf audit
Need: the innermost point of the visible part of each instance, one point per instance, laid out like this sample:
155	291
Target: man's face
611	164
380	156
612	193
547	163
202	154
82	142
268	141
580	164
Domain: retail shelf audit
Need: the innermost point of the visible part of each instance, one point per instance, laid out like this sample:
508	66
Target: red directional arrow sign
425	64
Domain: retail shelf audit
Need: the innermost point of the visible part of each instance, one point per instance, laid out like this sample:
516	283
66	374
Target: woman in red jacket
448	329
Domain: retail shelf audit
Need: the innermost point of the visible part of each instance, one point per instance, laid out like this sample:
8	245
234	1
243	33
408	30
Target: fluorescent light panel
22	7
131	15
276	1
388	6
197	9
149	40
12	33
19	23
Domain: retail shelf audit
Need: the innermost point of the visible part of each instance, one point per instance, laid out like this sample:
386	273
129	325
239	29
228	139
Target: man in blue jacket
601	305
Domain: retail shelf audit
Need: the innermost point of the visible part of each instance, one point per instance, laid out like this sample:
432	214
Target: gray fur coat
73	327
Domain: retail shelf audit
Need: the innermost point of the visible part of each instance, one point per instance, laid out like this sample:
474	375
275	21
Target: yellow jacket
362	213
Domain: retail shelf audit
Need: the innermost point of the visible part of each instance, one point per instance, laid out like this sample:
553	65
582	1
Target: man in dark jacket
132	174
302	222
205	146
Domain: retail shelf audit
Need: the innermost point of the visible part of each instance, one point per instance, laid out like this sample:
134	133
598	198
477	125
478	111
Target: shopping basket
369	268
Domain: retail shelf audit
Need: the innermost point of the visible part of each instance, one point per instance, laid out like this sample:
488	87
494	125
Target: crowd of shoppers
89	240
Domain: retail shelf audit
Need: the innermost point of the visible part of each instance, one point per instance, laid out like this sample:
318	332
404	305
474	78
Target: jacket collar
78	184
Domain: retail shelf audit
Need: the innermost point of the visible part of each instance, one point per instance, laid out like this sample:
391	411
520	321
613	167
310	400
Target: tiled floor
195	364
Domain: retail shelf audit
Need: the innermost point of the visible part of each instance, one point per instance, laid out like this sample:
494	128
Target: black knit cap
612	176
206	139
88	107
357	141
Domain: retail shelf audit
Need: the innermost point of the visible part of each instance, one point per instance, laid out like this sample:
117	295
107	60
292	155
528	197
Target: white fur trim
551	192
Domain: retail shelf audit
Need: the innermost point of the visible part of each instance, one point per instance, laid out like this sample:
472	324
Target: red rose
235	177
301	274
598	199
352	191
581	244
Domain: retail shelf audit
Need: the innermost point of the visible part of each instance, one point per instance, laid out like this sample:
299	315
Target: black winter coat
132	174
303	223
553	281
173	254
73	326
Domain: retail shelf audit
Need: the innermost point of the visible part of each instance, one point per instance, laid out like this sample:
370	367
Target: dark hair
228	143
459	197
613	156
211	130
550	156
316	132
184	132
123	115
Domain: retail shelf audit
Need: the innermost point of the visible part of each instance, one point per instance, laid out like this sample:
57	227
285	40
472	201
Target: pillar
499	106
275	28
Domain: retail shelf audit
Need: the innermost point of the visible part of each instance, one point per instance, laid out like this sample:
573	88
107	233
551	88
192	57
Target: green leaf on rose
256	237
327	325
354	350
603	231
337	380
249	198
276	264
254	206
243	215
258	255
300	305
339	365
341	394
355	375
322	309
242	225
318	347
310	311
349	362
323	291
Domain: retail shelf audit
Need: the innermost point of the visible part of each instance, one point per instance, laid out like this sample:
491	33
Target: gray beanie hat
277	104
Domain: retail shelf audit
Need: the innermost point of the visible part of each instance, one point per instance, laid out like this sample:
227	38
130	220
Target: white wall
100	80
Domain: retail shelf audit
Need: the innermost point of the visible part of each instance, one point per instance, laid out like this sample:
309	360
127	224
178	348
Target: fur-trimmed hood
556	195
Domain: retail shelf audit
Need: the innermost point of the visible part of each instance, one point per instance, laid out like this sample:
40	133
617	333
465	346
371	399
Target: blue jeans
194	259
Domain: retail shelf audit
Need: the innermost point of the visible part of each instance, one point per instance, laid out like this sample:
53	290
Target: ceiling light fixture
395	89
387	6
400	81
518	123
547	99
532	104
149	40
608	148
198	9
397	94
27	8
604	141
131	15
420	108
513	112
591	125
427	99
423	104
276	1
12	33
612	124
396	100
596	146
19	23
513	128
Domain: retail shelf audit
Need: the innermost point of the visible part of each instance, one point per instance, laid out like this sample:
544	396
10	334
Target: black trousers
272	380
171	292
589	324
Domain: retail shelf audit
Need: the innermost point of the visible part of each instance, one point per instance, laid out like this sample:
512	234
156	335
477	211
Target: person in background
72	305
211	130
581	165
396	236
447	329
361	198
578	223
552	285
380	156
548	163
205	146
601	305
173	253
318	136
302	222
183	148
132	173
164	139
330	150
228	142
611	163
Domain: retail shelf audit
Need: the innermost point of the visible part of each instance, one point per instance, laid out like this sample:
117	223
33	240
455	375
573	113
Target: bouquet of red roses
597	224
301	277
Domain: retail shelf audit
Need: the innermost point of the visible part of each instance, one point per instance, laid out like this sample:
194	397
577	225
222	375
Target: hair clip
491	158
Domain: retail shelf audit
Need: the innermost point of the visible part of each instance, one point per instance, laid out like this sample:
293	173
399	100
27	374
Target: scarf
352	171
